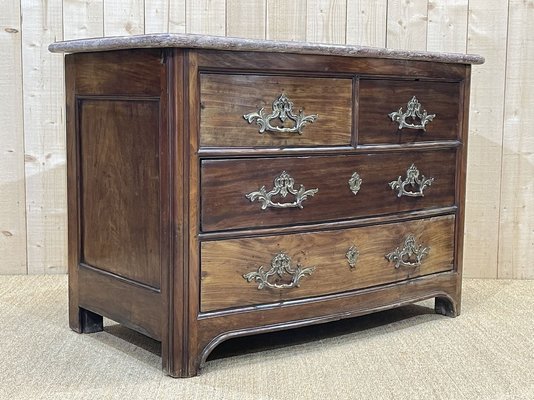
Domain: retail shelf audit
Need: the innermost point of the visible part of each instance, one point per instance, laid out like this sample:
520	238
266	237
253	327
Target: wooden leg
176	366
90	322
446	306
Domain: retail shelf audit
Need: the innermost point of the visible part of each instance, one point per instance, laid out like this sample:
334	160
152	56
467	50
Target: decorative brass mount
283	185
280	265
410	255
412	179
413	110
282	110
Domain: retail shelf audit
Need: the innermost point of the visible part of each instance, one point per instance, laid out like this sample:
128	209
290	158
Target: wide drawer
401	111
274	111
249	193
241	272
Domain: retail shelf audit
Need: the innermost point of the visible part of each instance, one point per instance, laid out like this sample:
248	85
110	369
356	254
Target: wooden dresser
221	187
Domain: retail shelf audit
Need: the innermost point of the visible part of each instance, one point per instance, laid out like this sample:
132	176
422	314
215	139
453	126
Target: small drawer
402	111
274	111
268	192
241	272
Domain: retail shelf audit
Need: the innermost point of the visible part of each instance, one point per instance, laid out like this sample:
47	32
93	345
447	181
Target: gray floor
408	353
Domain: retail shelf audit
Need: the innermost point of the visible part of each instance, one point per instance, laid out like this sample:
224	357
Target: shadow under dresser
221	187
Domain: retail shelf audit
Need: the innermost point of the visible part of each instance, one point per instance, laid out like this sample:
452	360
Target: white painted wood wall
500	199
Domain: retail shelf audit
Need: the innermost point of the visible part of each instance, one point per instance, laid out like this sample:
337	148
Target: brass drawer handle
413	180
352	256
355	183
413	111
282	110
410	255
280	265
283	185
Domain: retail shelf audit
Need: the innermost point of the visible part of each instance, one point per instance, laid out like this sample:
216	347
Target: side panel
119	182
118	187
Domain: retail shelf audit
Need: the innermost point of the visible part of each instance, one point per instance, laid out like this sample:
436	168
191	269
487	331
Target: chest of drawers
222	187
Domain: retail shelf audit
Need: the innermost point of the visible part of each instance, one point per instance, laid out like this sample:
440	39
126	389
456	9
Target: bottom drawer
241	272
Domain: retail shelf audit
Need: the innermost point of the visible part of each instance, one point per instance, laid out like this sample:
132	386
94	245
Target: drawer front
248	193
240	272
279	110
394	111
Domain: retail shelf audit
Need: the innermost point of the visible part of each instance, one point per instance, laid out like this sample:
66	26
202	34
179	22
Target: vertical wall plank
366	22
12	194
516	238
326	21
177	16
124	17
44	137
286	20
246	21
156	16
487	27
407	24
206	16
447	26
83	19
163	16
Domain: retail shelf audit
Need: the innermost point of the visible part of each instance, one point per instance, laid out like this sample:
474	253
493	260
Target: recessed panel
120	213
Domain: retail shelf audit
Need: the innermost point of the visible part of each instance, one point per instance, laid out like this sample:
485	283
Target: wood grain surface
132	305
225	99
224	184
378	98
135	73
44	136
223	263
13	245
329	65
120	179
516	249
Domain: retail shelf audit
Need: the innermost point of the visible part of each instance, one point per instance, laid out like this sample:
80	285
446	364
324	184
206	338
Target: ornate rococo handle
283	185
413	110
282	110
280	265
410	255
413	179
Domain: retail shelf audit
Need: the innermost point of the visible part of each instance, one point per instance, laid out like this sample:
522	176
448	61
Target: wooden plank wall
499	240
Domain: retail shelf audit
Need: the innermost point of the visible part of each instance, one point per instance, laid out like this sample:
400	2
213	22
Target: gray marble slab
193	41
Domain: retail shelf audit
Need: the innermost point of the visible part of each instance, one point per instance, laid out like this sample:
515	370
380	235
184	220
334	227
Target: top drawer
403	111
280	111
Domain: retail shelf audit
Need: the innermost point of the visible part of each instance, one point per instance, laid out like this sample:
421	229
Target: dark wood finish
225	99
225	183
120	181
332	225
192	216
217	327
223	263
124	73
140	184
73	206
118	215
131	304
270	63
248	152
461	171
378	98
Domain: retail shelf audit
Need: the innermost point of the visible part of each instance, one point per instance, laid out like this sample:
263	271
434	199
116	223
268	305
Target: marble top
193	41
